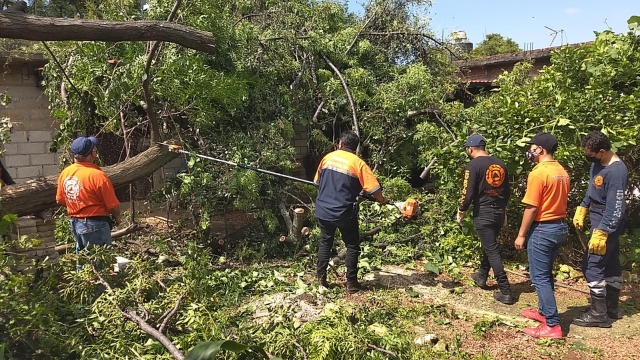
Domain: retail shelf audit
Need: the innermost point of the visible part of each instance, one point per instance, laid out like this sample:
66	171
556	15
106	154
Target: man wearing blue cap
89	196
486	186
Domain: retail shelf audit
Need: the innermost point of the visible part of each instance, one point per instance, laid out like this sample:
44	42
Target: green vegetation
273	70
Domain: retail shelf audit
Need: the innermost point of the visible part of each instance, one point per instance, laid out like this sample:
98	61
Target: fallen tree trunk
18	25
38	195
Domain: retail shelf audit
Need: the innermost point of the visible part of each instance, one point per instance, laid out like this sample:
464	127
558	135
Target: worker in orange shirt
89	196
544	230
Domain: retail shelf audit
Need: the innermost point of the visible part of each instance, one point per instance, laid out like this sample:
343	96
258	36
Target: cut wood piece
296	228
38	195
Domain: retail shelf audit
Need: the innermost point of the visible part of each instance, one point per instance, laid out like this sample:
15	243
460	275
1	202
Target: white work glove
459	217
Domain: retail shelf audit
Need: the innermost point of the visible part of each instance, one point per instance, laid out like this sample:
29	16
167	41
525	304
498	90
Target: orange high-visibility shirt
86	191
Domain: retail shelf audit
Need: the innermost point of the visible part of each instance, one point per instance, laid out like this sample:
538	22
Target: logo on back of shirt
72	187
598	181
495	175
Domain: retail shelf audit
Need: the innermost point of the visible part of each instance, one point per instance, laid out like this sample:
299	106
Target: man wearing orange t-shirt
543	230
89	196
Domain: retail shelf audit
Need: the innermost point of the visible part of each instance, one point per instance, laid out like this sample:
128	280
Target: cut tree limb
143	325
17	25
38	195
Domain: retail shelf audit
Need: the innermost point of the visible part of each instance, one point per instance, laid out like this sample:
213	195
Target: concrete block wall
26	156
24	260
301	140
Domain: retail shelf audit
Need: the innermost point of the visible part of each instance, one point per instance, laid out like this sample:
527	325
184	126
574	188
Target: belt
596	205
557	221
94	218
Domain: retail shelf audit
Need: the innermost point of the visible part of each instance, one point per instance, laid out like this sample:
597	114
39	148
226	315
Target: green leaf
429	266
209	350
634	22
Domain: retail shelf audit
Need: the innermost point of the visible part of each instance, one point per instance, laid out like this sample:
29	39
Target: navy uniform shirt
486	183
341	176
606	188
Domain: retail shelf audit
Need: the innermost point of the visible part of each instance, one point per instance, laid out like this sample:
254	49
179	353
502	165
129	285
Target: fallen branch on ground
556	283
143	325
384	351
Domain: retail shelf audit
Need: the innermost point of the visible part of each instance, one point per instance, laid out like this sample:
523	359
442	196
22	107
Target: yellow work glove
598	242
578	218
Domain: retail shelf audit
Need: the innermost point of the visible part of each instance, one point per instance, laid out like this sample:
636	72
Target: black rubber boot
354	287
596	316
323	281
479	280
613	300
506	299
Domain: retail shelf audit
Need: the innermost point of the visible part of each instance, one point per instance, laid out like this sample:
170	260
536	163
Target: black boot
323	282
506	299
479	280
613	299
596	317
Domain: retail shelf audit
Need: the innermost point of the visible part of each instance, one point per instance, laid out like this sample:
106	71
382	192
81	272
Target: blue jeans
543	241
89	233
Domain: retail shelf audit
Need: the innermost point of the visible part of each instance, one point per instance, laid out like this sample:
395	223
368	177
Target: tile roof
513	57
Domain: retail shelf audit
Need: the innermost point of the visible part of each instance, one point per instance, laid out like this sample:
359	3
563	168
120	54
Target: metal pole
177	149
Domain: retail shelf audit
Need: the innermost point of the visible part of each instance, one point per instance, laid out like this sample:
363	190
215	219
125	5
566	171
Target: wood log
38	195
18	25
296	227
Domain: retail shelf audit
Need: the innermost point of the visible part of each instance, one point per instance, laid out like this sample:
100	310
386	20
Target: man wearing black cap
486	185
543	230
89	196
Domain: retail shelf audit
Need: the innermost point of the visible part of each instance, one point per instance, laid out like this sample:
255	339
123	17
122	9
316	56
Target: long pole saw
177	148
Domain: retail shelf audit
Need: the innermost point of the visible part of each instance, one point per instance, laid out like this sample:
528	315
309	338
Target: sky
524	21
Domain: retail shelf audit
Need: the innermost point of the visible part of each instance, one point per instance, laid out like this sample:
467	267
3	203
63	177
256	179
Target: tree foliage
495	44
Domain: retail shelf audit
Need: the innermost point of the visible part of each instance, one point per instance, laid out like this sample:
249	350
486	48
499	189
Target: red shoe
544	331
533	314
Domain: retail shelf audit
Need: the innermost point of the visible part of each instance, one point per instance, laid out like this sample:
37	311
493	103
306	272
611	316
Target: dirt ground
473	305
621	341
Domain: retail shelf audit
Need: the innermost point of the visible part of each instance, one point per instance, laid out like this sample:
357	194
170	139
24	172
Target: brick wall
41	240
27	153
301	140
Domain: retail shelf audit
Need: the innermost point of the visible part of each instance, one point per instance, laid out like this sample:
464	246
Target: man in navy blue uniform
605	203
341	177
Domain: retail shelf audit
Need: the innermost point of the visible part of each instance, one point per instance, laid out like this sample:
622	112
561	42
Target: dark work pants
488	223
349	229
602	270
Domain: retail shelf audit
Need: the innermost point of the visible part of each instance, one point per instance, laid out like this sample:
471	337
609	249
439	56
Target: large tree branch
148	106
40	194
17	25
355	38
356	126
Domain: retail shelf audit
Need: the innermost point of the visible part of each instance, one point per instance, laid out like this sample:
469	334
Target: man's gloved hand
598	242
578	218
459	217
